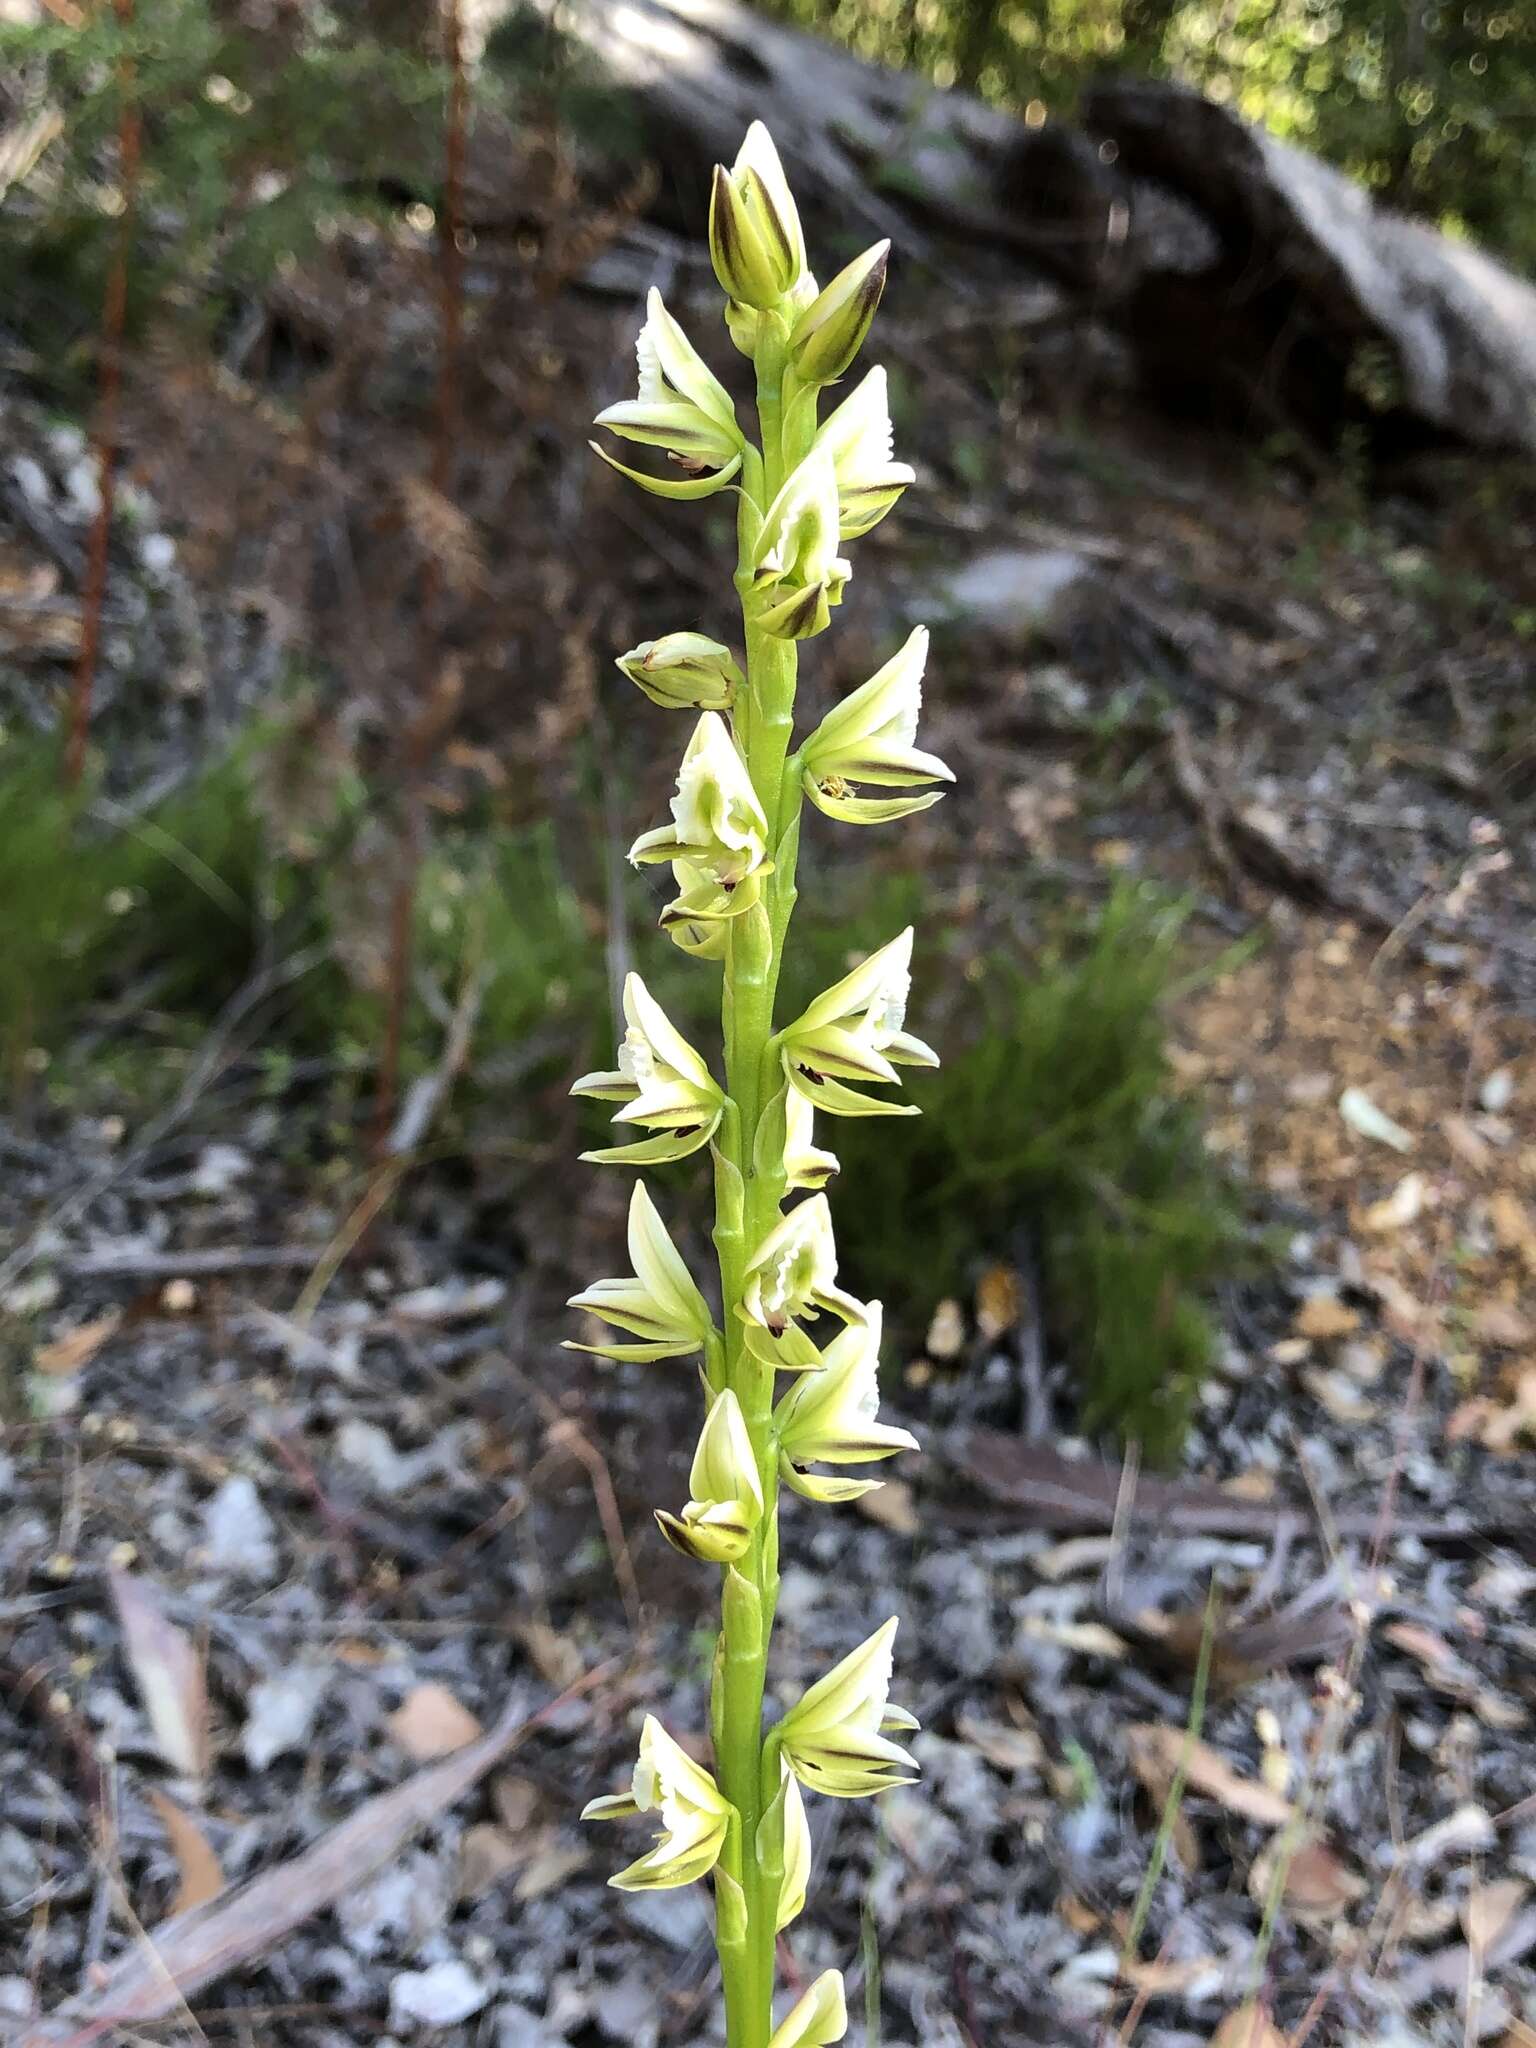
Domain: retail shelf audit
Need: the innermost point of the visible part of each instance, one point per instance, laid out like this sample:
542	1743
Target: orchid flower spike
755	239
834	1739
718	828
683	670
660	1305
869	738
662	1084
727	1495
682	407
855	1031
830	332
859	440
820	2017
828	1417
694	1814
792	1276
798	575
805	1164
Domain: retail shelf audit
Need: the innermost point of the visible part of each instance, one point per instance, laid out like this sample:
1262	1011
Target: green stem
764	726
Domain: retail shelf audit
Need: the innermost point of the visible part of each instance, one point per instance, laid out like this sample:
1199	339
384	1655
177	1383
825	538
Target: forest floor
328	1585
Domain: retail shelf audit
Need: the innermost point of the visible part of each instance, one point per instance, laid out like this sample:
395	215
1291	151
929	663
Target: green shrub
1056	1118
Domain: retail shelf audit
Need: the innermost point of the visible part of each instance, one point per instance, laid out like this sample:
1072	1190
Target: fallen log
1253	281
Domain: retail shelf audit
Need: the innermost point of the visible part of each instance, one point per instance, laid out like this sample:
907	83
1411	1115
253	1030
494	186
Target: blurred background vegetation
1431	105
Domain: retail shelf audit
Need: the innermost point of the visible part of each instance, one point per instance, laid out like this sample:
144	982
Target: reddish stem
114	318
450	265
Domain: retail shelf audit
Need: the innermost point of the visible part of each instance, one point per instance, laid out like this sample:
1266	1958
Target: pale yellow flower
695	1814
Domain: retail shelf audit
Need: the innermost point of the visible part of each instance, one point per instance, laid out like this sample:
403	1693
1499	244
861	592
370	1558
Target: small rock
20	1871
627	2011
399	1909
31	479
16	2000
517	2027
438	1997
1498	1091
238	1532
1018	593
219	1167
157	554
282	1712
677	1918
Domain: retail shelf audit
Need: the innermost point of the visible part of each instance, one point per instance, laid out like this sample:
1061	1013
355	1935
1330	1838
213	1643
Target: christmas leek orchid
859	440
831	330
793	1277
755	239
727	1495
798	574
804	490
694	1816
820	2017
828	1417
661	1083
718	835
805	1164
856	1032
683	670
869	738
682	407
659	1304
835	1738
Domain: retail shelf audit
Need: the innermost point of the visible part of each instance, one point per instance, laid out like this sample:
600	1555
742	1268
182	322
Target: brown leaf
1469	1145
946	1333
429	1723
168	1671
1502	1324
202	1878
1513	1226
1396	1211
1009	1749
550	1864
891	1506
1323	1317
555	1657
999	1298
77	1347
1158	1749
487	1854
1315	1882
1249	2027
1167	1976
517	1801
156	1977
1489	1910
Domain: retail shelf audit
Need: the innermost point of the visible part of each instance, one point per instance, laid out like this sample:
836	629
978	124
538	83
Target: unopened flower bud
831	331
683	670
755	242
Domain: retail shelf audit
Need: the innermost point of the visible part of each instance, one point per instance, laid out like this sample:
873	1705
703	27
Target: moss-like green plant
803	490
1056	1116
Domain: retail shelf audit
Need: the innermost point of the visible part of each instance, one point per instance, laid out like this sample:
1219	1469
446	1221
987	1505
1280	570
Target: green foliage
253	142
184	898
1056	1117
498	905
1433	106
65	893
